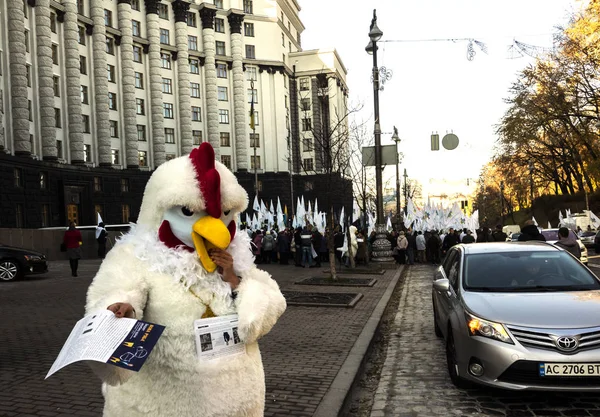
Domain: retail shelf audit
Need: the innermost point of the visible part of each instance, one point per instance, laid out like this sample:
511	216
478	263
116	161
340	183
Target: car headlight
486	328
32	257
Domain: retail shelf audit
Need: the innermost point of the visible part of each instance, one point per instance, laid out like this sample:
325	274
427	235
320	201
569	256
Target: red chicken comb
203	159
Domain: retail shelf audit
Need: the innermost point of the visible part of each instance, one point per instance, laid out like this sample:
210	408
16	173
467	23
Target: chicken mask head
192	202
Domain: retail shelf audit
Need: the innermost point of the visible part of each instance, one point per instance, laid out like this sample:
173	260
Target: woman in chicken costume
181	262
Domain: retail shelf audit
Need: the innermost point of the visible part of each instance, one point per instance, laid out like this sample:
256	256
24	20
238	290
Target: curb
333	400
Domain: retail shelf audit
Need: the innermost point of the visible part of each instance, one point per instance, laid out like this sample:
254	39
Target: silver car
521	316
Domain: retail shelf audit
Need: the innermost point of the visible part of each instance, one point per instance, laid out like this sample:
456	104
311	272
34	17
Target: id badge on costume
217	337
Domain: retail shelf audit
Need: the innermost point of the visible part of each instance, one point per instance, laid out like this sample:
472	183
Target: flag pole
253	127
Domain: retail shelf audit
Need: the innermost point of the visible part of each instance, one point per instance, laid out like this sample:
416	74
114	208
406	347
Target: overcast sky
434	87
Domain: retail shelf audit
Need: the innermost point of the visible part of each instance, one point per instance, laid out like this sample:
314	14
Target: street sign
389	155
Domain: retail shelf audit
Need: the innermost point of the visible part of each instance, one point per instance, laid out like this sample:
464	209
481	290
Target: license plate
569	369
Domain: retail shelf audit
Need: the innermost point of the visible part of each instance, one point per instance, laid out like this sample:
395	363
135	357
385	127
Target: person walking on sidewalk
402	245
421	245
72	240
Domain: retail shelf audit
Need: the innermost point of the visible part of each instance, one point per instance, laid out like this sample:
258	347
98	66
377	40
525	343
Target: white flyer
102	337
217	337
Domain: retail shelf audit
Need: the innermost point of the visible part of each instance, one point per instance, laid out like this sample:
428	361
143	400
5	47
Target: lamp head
395	136
375	33
370	48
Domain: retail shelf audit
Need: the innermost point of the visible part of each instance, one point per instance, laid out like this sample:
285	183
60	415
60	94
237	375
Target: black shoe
74	274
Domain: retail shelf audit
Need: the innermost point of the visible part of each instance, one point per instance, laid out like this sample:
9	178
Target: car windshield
552	234
525	271
588	234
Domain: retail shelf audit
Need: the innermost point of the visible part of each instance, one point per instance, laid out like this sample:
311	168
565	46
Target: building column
18	78
2	136
46	90
239	97
73	81
183	75
100	66
156	96
132	159
207	14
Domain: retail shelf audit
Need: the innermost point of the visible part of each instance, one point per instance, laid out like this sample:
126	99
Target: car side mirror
441	285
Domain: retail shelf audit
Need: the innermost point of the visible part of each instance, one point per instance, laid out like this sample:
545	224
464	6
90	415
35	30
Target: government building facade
95	94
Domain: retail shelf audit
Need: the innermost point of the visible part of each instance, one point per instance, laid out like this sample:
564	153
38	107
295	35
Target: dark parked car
597	242
18	262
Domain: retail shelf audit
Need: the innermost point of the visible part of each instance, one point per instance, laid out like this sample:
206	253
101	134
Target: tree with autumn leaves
549	138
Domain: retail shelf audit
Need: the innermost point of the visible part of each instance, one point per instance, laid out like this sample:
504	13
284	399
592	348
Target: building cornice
207	15
180	9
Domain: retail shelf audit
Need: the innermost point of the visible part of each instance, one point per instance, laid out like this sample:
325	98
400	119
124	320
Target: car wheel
452	363
436	325
9	270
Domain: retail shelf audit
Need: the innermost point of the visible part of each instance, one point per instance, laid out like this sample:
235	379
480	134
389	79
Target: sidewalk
310	357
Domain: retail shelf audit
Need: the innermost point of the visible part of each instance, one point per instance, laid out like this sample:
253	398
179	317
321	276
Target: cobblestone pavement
302	354
414	380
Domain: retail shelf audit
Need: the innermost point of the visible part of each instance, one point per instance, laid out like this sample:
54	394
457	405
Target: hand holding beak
224	262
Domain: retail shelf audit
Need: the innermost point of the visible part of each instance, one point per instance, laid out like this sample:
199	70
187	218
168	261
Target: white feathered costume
161	267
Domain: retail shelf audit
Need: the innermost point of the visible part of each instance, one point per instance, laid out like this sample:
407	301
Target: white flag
256	206
534	221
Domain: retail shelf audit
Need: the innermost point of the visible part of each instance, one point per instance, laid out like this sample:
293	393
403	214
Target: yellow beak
207	233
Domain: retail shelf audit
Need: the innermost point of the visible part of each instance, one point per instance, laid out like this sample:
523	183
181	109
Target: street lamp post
381	247
405	192
502	202
396	139
531	183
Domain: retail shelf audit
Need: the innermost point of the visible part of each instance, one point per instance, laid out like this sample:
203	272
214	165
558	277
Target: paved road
414	379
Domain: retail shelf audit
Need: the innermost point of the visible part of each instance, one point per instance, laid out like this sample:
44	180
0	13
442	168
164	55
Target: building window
221	71
308	164
196	114
255	162
53	22
165	59
219	25
254	140
169	156
137	54
110	46
163	11
57	118
223	116
252	95
45	215
139	80
28	75
18	177
82	64
19	215
197	137
194	66
195	90
226	160
164	36
124	185
251	73
308	185
114	153
306	124
304	82
81	30
56	85
219	4
141	133
136	28
135	5
143	158
111	73
27	42
167	86
289	46
43	181
305	104
307	144
55	54
29	110
222	93
169	135
192	43
168	110
250	52
112	101
80	7
248	6
125	211
59	150
282	39
114	129
107	18
86	123
249	29
97	184
220	47
84	95
225	139
87	153
139	106
191	19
